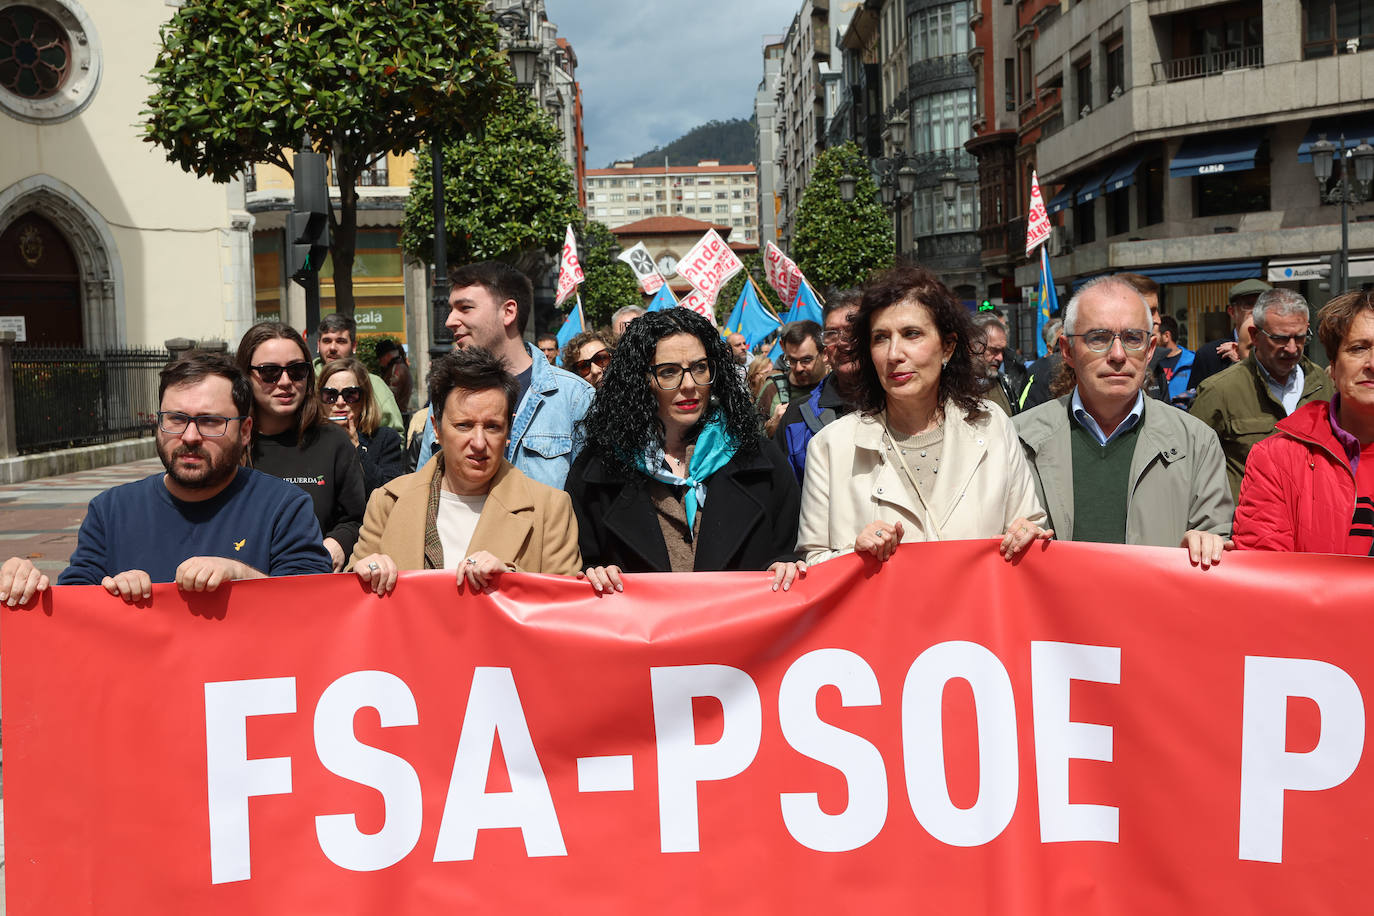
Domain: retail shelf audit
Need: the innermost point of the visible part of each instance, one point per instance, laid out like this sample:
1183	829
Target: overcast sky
651	70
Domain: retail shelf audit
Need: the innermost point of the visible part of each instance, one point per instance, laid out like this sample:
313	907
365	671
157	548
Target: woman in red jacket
1310	486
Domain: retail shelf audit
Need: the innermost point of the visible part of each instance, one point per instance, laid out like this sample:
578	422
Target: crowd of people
661	446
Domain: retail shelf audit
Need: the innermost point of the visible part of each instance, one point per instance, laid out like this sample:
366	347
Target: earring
944	364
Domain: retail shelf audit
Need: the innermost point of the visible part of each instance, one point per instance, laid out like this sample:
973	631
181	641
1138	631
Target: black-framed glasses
668	376
1284	339
1099	340
174	422
351	395
601	359
270	372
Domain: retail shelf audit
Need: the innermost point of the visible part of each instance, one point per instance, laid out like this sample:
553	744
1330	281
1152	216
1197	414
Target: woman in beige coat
923	459
468	509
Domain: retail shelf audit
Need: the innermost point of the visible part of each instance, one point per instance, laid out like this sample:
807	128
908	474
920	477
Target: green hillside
731	142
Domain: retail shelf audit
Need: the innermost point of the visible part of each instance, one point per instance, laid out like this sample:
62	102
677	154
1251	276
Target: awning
1209	154
1202	273
1123	176
1357	129
1061	200
1090	189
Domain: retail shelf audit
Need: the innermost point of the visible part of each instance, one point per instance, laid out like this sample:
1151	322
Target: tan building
726	195
668	238
103	242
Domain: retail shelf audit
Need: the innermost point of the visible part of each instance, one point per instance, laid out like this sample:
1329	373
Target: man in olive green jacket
1111	465
1243	403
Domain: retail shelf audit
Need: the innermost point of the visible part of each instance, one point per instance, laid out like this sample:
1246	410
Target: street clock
667	265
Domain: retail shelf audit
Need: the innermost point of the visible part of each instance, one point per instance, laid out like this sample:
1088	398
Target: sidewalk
39	520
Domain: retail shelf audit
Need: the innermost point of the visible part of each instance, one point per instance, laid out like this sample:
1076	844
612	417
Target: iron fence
66	397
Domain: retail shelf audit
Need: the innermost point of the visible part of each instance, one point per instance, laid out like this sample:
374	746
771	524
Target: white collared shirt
1085	419
1286	394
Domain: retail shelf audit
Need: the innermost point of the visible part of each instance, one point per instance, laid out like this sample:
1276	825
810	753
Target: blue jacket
797	427
542	442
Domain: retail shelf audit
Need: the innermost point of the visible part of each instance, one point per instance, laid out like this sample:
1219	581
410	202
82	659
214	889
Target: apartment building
708	191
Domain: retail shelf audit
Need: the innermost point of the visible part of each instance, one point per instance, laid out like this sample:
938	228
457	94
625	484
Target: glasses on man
832	336
350	395
601	359
270	372
668	376
174	423
1099	340
1284	340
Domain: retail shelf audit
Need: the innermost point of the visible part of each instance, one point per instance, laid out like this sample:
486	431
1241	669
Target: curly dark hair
959	379
574	346
623	419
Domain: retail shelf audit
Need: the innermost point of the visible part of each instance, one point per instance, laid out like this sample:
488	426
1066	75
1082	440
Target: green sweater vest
1101	484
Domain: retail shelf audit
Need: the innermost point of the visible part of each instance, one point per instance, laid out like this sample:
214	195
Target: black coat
749	521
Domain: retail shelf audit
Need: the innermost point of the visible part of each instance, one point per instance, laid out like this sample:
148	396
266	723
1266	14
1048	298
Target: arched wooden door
40	282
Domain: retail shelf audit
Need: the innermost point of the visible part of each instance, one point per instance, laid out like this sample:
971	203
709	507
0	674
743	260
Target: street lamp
949	187
889	192
847	183
524	62
906	180
1323	152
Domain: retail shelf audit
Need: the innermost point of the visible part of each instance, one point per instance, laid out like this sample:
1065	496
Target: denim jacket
543	440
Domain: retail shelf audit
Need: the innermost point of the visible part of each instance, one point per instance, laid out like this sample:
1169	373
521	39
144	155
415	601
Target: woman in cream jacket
923	459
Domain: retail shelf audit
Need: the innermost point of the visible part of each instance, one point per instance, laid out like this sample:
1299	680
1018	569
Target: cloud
652	70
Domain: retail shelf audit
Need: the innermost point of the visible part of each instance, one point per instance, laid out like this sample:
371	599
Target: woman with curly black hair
923	458
675	474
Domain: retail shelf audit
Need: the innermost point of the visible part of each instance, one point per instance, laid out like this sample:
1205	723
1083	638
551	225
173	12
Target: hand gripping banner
1092	730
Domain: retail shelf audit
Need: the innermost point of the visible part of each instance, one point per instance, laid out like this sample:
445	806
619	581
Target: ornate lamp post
1323	152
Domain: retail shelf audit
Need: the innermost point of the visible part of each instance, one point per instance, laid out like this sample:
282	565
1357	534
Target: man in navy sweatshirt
204	522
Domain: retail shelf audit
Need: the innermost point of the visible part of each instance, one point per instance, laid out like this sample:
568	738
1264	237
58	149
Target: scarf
713	450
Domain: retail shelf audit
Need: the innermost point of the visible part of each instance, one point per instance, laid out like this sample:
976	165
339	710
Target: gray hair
985	320
626	310
1281	302
1053	328
1110	281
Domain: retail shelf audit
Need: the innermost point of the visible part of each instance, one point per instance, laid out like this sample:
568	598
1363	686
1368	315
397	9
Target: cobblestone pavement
39	520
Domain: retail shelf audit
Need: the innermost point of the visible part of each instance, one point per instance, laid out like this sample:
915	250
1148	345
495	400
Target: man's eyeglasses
270	372
801	362
601	359
174	423
668	376
1099	340
832	336
350	395
1284	339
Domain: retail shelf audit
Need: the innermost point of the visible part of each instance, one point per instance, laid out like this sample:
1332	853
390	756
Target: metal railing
1187	68
66	397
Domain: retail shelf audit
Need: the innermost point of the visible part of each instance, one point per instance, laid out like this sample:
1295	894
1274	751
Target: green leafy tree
508	194
244	81
754	267
610	284
840	244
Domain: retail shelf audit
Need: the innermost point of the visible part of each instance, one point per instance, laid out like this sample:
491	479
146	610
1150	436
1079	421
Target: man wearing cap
1243	403
1216	355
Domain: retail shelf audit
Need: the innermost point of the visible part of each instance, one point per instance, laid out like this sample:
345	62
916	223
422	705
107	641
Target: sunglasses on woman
601	360
270	372
350	395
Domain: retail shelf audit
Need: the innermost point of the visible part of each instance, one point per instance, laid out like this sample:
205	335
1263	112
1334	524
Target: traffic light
307	226
986	306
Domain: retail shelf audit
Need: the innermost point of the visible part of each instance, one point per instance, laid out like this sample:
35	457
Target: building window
1009	76
1236	192
35	53
1023	66
939	31
1084	226
1115	53
618	198
932	214
1118	211
1150	192
941	121
1330	26
1083	85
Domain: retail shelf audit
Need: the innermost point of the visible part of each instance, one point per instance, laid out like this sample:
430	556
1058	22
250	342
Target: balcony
1187	68
922	72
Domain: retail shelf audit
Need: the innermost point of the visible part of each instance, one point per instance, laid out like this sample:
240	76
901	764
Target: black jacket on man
749	519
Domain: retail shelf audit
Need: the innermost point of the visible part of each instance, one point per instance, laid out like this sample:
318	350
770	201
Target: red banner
1091	730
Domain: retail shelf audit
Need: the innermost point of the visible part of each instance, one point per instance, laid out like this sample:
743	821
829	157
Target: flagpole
758	291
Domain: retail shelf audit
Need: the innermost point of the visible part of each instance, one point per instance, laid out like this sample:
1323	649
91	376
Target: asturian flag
782	272
575	324
569	270
806	307
663	299
645	270
1037	218
751	317
1047	304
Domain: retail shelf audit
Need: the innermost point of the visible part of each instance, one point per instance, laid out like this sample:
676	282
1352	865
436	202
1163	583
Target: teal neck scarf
713	450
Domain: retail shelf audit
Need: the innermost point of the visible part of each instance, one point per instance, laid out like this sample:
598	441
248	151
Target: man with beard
997	388
204	522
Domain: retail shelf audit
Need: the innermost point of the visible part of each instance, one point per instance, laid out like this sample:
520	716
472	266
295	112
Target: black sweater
326	467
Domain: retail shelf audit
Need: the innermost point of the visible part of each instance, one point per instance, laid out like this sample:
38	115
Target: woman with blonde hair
348	402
